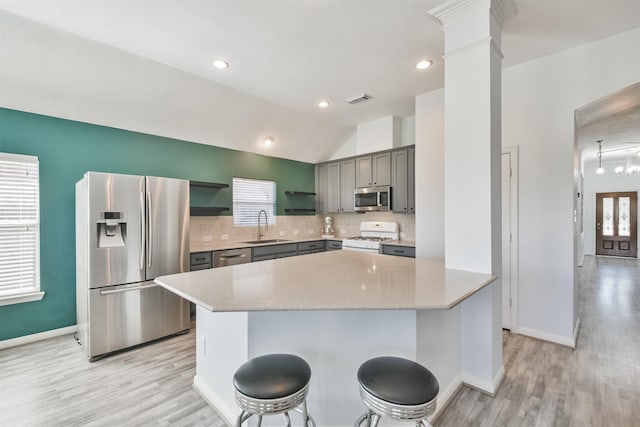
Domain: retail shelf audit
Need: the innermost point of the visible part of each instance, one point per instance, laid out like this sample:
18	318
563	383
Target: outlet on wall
296	232
203	342
206	238
224	237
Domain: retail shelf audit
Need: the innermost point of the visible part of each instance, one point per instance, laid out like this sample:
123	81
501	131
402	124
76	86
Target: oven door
360	249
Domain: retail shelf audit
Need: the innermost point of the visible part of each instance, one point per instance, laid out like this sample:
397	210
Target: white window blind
19	225
250	196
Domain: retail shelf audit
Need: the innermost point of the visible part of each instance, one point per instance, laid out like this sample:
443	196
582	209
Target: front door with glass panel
617	224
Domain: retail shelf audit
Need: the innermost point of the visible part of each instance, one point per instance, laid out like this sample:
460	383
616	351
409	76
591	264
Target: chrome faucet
266	223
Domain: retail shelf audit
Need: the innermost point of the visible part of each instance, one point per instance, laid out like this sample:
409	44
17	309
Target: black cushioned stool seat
272	384
272	376
398	388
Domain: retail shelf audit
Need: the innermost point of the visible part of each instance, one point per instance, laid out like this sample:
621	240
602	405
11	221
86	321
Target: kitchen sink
255	242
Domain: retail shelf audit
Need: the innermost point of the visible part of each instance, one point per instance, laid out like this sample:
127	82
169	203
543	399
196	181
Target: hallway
596	385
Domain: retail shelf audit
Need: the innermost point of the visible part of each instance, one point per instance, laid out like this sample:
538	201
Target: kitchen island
336	310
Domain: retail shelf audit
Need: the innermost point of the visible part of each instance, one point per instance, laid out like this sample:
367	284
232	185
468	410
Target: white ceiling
615	120
294	52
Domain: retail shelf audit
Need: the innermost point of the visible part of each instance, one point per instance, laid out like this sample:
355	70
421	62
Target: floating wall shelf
299	193
207	210
208	184
299	210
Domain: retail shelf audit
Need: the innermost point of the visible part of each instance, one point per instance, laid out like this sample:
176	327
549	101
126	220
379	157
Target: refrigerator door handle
119	291
142	227
150	231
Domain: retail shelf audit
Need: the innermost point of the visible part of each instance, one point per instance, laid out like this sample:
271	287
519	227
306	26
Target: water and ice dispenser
112	229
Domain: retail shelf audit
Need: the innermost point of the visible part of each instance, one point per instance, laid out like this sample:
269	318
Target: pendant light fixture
600	170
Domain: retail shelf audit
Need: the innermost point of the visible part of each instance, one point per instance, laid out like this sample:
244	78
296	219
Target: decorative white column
473	78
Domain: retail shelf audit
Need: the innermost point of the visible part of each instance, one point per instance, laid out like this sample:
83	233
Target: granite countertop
408	243
219	246
335	280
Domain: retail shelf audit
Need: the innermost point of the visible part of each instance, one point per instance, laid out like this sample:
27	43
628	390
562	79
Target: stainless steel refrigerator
129	230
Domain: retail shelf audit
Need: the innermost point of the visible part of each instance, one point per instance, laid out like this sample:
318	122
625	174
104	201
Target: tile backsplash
348	224
205	229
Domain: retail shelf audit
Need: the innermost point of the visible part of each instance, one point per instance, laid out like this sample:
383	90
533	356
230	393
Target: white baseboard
27	339
214	401
490	388
444	397
576	332
556	339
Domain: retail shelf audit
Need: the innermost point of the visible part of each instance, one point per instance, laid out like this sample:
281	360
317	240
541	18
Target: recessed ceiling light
323	103
424	64
268	141
220	64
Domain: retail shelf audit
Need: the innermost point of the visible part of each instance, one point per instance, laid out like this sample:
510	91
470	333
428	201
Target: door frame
513	152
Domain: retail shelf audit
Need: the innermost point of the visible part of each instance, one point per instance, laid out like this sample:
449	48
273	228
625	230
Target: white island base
334	343
336	310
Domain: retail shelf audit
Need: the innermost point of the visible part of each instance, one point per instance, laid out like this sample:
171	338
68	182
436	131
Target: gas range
372	233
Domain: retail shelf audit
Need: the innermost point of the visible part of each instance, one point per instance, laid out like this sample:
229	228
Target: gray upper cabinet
363	172
322	188
382	169
333	204
336	180
347	185
403	181
373	170
335	183
411	178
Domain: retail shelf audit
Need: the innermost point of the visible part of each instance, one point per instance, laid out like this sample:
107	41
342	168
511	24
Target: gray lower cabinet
262	253
333	245
406	251
314	247
200	260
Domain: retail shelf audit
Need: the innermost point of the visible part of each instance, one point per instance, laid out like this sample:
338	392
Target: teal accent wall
67	149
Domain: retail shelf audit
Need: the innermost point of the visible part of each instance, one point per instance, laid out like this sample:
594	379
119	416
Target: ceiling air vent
358	99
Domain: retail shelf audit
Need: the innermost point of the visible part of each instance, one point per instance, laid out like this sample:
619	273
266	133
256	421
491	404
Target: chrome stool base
397	388
296	402
377	408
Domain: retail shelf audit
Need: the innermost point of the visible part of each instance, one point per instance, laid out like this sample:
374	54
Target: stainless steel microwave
372	199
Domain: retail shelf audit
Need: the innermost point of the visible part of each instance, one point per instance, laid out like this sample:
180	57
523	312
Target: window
19	229
250	196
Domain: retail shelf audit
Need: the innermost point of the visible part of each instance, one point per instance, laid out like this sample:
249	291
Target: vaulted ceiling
292	53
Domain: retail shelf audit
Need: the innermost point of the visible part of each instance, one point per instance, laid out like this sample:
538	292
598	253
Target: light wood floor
598	384
50	383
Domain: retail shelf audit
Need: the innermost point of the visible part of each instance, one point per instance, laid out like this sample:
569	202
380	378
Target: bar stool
272	384
397	388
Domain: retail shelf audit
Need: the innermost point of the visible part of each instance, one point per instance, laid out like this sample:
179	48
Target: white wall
607	182
429	125
539	100
378	135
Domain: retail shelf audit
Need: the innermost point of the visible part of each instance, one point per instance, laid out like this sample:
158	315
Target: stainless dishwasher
231	257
